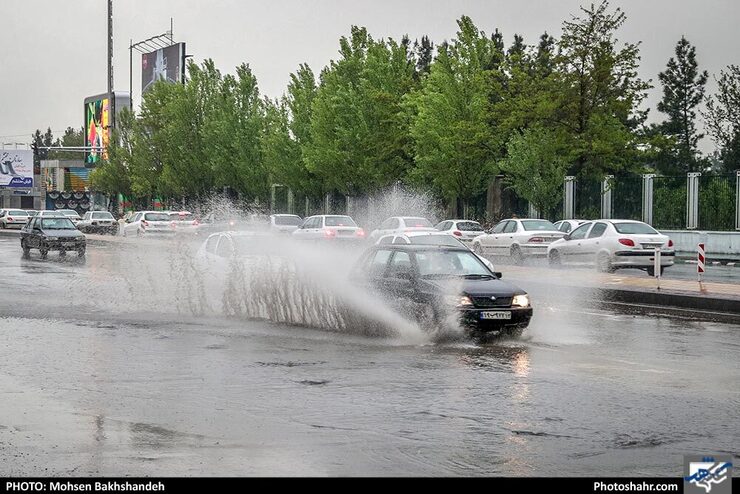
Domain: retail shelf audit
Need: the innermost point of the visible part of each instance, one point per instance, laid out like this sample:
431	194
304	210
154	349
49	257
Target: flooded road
100	375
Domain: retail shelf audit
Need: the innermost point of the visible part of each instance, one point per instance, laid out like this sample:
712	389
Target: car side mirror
566	236
498	274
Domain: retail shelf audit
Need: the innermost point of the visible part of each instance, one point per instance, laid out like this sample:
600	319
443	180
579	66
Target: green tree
359	143
71	138
683	90
598	92
454	136
534	167
722	117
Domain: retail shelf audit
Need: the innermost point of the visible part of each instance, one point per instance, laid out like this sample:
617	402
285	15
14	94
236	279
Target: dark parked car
433	280
47	233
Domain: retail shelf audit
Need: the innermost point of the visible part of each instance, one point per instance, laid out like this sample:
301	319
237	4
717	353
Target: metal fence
717	202
693	201
669	202
627	197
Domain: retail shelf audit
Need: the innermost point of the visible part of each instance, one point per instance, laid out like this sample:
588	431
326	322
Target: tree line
444	118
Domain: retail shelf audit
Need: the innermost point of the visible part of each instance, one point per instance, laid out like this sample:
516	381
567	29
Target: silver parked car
518	239
613	244
402	224
148	223
329	227
465	230
13	218
284	223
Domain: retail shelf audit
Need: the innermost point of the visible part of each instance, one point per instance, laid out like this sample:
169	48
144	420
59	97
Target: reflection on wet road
94	384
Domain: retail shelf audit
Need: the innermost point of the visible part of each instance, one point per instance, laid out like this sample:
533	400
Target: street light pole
110	46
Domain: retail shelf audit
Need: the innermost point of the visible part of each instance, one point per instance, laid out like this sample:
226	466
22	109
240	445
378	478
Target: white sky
53	53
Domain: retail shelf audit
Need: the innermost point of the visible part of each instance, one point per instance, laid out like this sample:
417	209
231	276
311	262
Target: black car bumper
64	244
497	319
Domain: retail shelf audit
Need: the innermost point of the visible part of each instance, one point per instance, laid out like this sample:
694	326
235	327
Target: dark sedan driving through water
431	280
47	233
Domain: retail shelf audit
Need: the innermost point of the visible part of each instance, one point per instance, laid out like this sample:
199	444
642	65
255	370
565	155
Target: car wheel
139	233
515	332
554	259
44	251
26	248
2	225
604	263
516	254
427	317
81	252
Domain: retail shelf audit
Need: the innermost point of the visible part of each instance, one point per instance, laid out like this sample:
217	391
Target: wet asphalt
106	369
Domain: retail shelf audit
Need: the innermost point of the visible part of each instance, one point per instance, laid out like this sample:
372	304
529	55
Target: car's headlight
459	301
52	238
520	301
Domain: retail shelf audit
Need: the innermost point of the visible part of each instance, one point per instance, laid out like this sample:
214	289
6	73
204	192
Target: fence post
569	201
291	208
737	199
533	213
692	200
606	197
647	198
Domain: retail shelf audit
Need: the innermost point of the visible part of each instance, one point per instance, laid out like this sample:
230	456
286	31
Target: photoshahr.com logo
705	474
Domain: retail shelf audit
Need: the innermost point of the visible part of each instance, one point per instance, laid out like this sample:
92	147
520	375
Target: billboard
16	168
98	126
165	64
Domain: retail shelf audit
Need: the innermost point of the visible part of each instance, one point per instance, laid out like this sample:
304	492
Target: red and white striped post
700	261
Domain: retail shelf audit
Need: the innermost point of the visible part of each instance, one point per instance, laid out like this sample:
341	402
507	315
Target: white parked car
98	222
71	214
329	227
567	226
13	218
184	222
428	238
613	244
402	224
465	230
148	223
518	239
284	223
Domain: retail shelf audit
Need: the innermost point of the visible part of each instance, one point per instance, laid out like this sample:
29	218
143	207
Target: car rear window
17	212
635	228
288	220
339	221
102	216
182	216
156	217
418	223
469	226
533	225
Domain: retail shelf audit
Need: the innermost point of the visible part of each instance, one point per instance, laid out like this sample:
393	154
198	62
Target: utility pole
110	46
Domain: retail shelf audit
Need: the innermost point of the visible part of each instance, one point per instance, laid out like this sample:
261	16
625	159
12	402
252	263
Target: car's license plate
495	315
68	244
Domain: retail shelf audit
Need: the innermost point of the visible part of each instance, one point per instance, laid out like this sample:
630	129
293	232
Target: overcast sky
53	53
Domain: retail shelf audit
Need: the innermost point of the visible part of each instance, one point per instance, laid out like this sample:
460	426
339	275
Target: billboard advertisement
165	64
16	168
97	127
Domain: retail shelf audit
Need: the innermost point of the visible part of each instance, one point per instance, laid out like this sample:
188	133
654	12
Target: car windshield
532	225
68	212
339	221
435	240
288	220
469	226
156	217
16	212
635	228
102	216
57	224
418	223
448	263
